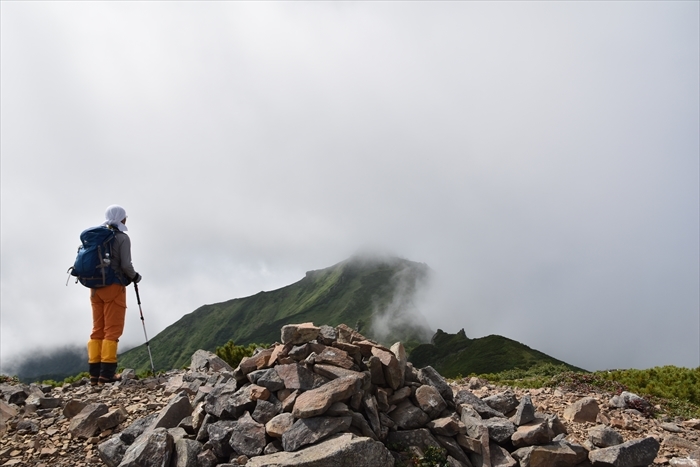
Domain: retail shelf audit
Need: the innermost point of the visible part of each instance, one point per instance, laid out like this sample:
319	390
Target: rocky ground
34	428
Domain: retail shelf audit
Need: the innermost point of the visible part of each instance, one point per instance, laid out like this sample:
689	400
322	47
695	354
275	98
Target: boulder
316	401
299	333
310	430
504	402
340	450
525	412
603	436
153	449
583	410
84	425
204	360
560	454
634	453
430	401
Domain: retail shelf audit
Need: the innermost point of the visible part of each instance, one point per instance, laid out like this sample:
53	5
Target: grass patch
675	390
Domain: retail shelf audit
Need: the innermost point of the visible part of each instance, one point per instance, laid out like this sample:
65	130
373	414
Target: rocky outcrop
323	396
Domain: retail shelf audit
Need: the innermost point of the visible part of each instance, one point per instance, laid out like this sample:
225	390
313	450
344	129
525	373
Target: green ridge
350	292
454	355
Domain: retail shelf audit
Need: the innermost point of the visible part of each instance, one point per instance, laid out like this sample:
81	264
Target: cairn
328	396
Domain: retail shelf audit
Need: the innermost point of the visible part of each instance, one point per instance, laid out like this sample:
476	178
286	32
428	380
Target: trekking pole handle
136	288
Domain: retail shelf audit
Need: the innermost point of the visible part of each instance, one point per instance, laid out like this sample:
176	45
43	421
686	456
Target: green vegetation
456	354
432	457
233	354
674	389
350	292
536	376
69	380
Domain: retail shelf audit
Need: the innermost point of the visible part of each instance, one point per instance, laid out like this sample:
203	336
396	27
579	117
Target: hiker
109	302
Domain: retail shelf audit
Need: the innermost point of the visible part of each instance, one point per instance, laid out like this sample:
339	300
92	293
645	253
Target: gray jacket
121	256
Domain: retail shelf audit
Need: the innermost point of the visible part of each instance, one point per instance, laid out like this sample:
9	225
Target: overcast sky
541	157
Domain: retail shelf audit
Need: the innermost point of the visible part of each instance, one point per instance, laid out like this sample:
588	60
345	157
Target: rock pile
324	396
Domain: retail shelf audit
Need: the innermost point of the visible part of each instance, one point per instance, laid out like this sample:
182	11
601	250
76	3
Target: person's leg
94	345
114	297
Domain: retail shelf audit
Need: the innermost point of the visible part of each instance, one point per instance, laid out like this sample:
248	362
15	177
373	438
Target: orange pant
108	312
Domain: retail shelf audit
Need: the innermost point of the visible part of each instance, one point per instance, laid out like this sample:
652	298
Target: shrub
233	354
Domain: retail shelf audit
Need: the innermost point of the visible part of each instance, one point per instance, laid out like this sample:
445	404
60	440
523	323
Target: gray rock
243	400
555	454
430	401
273	447
316	401
267	378
296	376
453	449
73	407
219	435
327	335
408	417
50	402
299	333
14	394
500	429
249	436
446	426
369	403
169	416
204	360
216	400
634	453
136	429
466	397
333	372
185	453
340	450
603	436
266	411
27	426
671	427
310	430
112	451
583	410
84	425
504	402
421	438
153	449
207	458
128	373
279	424
112	418
499	457
475	426
428	375
525	412
360	422
400	352
536	432
393	373
555	424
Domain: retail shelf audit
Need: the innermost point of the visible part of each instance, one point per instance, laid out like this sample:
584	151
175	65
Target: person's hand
137	278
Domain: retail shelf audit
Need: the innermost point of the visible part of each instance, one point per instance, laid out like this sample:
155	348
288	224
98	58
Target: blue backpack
92	265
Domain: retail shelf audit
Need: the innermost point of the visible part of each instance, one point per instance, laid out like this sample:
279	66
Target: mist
541	159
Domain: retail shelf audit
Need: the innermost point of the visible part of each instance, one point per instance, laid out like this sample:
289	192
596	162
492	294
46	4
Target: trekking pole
148	346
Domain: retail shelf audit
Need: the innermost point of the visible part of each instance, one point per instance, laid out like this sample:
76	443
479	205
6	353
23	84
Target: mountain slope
358	291
455	354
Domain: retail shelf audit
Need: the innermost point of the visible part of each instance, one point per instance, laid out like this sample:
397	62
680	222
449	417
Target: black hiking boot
94	373
107	374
